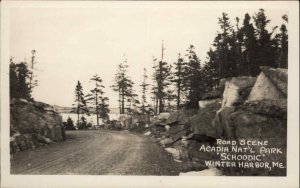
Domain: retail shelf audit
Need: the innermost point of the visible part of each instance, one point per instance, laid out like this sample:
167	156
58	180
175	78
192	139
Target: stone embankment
33	124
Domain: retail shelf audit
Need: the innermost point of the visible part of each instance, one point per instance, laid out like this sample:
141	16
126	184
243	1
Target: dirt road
97	153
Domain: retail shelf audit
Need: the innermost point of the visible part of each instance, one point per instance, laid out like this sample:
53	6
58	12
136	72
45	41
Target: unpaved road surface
97	153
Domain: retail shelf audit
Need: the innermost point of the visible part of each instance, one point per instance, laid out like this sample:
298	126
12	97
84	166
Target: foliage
69	124
80	105
21	79
98	100
123	85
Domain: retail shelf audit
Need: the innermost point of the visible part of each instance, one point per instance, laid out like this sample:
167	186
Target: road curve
97	153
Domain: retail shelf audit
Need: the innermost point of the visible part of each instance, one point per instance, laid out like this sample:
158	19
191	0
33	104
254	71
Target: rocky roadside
246	108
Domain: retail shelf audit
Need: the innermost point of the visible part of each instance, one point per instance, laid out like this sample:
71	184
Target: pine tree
96	95
162	75
123	85
144	89
69	125
80	106
103	108
19	80
249	46
177	79
32	82
266	54
13	80
283	57
193	79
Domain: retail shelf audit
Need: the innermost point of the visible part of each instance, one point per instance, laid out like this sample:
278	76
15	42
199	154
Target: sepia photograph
149	91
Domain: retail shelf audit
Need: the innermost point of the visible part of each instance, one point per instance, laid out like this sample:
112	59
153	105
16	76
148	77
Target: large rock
163	116
209	103
30	121
176	132
178	117
271	84
214	94
249	126
278	76
201	123
237	90
189	151
271	108
166	142
221	124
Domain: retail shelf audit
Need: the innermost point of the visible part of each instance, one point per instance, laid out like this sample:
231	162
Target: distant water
90	119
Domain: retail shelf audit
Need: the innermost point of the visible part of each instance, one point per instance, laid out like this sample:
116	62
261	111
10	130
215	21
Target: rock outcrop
271	84
242	108
33	124
259	114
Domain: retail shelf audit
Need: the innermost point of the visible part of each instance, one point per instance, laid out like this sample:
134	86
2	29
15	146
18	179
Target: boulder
163	116
271	84
28	119
209	103
166	142
201	123
43	139
279	77
176	132
237	90
271	108
189	151
214	94
174	152
221	124
251	126
178	117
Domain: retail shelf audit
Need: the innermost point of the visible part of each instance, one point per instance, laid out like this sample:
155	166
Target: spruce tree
283	57
80	106
161	77
193	79
144	87
266	54
96	95
178	79
123	85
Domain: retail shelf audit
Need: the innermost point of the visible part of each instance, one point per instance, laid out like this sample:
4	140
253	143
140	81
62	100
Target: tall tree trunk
97	109
78	112
178	93
123	100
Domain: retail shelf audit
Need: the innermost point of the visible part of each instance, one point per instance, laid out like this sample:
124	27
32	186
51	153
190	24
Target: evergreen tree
32	82
69	125
178	79
19	80
80	106
162	75
266	54
103	108
123	85
83	123
13	80
193	79
144	87
249	46
96	95
283	57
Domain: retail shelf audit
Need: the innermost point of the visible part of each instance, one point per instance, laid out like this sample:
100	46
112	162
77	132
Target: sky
75	43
